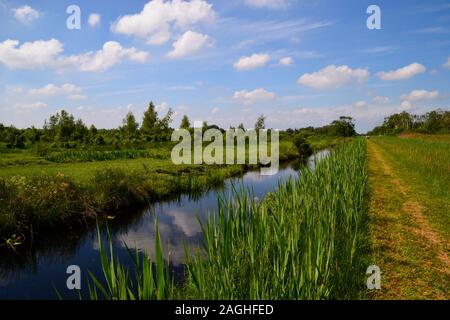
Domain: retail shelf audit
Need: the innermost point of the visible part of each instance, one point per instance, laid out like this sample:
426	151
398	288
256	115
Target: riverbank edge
45	204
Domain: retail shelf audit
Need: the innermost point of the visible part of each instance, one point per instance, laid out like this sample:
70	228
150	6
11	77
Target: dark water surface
36	273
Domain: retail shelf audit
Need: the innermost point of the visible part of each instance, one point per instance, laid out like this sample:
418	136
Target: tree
344	127
15	139
32	135
260	123
65	126
163	127
3	133
130	126
99	140
185	124
150	120
62	127
164	123
80	131
303	148
92	134
433	121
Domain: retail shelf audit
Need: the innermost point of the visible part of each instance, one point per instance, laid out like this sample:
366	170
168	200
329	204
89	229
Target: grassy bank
320	142
409	213
42	202
305	241
76	186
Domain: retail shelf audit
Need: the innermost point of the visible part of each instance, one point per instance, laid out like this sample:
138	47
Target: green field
81	165
68	187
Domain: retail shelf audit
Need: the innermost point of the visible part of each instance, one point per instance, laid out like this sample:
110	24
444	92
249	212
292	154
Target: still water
36	273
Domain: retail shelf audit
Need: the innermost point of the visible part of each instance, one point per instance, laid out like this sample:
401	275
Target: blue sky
298	62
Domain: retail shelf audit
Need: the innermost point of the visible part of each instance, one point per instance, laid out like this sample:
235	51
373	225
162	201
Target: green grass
305	241
47	200
94	155
409	213
318	142
425	164
81	165
19	157
81	172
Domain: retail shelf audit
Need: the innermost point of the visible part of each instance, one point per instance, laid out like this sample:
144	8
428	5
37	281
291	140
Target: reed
305	241
150	281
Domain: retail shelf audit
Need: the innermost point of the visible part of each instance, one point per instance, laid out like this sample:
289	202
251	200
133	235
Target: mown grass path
412	254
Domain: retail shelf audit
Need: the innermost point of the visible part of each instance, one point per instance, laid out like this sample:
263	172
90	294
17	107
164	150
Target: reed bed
305	241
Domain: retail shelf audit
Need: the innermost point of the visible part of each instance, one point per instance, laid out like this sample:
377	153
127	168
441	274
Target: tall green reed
150	281
304	241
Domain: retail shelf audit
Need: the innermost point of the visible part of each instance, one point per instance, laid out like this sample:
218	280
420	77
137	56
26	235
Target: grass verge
408	212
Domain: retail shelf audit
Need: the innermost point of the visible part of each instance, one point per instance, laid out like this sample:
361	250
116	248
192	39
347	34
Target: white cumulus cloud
403	73
250	97
159	18
287	61
189	43
29	55
94	19
111	54
252	62
47	54
54	90
417	95
26	14
332	77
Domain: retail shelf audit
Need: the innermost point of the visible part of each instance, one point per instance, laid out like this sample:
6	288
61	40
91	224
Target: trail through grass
409	216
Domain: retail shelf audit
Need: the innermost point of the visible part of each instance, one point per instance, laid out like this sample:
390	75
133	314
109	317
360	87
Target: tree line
433	122
342	127
62	130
